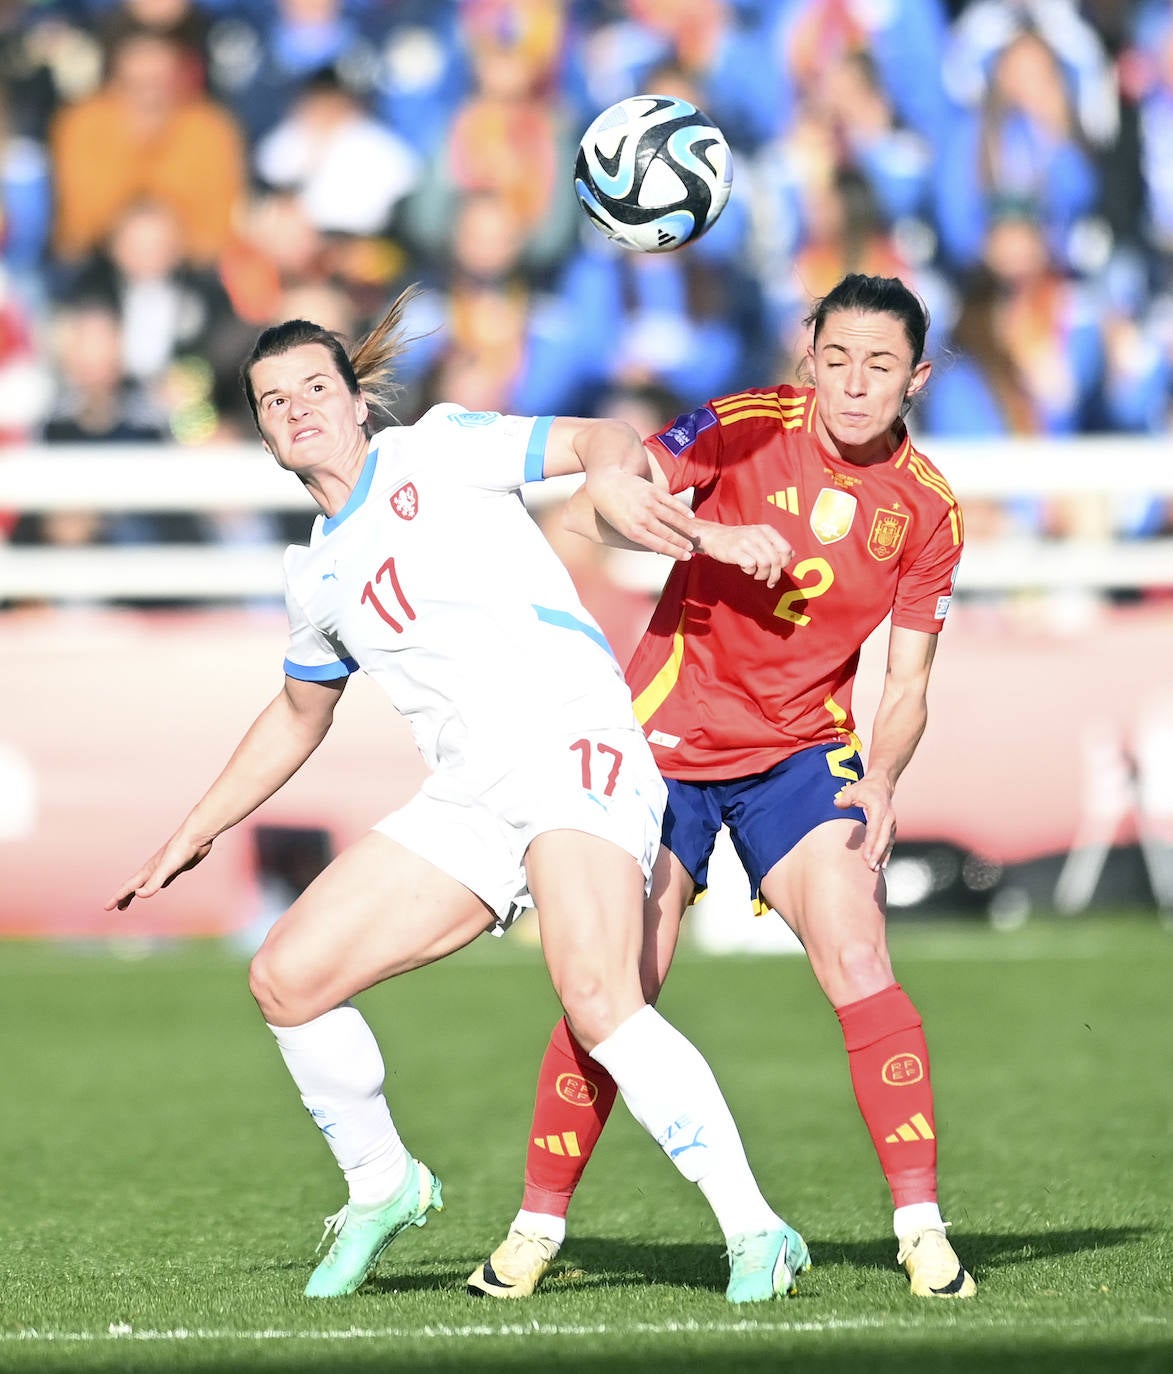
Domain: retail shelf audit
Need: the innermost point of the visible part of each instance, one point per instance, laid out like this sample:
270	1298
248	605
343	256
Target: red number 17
584	747
371	597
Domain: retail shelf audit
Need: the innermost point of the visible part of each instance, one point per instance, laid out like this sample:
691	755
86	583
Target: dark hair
368	369
876	295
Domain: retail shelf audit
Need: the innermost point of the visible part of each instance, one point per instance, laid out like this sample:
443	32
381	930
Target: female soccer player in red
743	685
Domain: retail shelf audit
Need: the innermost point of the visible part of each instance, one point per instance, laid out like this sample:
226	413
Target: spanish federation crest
832	514
405	503
888	530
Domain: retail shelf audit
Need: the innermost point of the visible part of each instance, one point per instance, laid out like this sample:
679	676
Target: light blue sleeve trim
322	672
535	454
565	621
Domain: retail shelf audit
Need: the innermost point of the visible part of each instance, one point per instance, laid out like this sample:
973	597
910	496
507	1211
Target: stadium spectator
714	44
275	247
1150	68
1024	142
551	792
492	336
986	28
25	383
26	207
184	21
1138	370
347	169
176	318
980	390
96	401
95	404
1049	322
48	57
743	683
896	161
146	135
259	59
809	37
510	136
489	294
423	74
1033	357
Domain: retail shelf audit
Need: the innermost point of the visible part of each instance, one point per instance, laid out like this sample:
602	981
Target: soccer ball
653	173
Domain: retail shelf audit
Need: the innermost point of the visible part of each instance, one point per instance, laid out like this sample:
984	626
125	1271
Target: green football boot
361	1234
765	1264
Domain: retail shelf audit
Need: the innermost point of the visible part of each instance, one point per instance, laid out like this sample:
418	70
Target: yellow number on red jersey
823	578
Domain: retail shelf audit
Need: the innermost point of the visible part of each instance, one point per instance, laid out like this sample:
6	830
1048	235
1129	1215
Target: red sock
890	1073
574	1099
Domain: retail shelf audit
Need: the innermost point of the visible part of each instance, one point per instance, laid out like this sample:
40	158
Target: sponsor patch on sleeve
683	431
942	607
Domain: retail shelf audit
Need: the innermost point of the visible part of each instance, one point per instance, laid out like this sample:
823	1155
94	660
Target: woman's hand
643	513
874	796
178	855
758	550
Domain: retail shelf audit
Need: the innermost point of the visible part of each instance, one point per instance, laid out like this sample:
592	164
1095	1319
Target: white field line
426	1332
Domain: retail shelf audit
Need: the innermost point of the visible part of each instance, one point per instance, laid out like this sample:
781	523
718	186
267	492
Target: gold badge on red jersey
832	514
888	530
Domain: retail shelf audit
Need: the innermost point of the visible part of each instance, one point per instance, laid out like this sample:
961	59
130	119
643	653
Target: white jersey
435	581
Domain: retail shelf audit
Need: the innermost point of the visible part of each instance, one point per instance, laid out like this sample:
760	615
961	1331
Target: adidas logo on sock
915	1129
564	1144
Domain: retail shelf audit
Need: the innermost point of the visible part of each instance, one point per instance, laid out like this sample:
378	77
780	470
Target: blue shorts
767	813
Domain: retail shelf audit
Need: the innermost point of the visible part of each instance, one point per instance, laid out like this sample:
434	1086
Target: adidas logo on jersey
785	500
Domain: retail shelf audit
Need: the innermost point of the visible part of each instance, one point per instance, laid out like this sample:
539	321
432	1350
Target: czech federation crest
888	530
406	502
832	514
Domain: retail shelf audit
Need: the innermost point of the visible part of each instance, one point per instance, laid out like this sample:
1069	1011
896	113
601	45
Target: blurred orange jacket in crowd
146	136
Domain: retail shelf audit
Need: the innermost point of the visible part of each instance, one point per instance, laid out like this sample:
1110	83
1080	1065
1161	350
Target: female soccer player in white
425	571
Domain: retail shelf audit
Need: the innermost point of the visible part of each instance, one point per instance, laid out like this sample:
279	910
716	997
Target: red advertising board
112	724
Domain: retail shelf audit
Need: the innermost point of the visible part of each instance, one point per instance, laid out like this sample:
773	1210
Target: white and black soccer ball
653	173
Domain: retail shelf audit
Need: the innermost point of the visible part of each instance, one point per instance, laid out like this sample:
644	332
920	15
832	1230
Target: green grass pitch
161	1189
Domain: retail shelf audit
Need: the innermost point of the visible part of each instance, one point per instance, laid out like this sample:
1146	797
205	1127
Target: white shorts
476	826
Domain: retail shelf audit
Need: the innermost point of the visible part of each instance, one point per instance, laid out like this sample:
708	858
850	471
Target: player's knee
860	968
594	1008
284	997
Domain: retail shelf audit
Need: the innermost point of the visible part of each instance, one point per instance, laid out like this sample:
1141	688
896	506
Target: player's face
307	414
863	373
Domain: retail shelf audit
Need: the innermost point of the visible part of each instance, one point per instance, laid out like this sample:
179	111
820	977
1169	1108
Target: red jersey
731	676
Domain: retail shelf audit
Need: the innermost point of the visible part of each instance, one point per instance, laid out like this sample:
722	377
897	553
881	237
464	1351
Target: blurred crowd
177	174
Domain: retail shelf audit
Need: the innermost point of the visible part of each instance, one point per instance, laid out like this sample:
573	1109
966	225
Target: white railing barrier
231	478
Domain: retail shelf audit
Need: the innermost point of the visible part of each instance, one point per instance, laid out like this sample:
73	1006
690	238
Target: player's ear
361	410
920	375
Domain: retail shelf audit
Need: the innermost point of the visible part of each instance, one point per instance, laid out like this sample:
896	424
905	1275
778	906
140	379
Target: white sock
670	1090
540	1224
915	1217
335	1062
